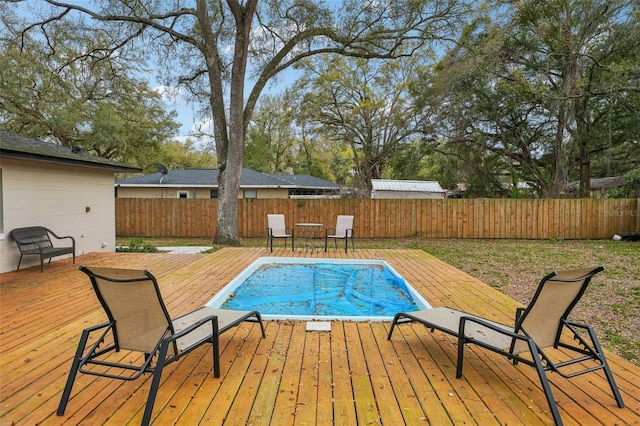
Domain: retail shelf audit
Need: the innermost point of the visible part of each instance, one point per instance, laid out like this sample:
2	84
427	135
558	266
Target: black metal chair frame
36	241
347	236
538	357
271	236
164	352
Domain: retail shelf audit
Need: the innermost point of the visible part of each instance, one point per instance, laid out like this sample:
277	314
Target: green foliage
364	105
270	145
53	90
631	188
182	155
137	245
538	92
258	152
341	162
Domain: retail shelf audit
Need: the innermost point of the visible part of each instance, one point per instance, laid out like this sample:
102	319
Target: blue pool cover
322	289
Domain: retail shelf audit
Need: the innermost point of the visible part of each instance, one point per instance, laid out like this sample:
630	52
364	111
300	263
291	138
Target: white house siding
144	192
172	192
69	200
271	193
407	195
162	192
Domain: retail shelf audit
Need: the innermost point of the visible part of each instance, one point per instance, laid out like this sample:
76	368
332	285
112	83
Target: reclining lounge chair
538	326
138	321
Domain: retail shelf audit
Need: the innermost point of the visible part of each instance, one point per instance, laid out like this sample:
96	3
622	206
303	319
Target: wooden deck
350	375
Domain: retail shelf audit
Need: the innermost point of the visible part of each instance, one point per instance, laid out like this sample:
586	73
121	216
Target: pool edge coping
221	296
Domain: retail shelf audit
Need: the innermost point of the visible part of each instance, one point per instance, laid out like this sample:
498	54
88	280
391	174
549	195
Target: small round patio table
308	231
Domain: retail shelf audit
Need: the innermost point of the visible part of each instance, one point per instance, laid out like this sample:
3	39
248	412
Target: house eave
191	185
7	153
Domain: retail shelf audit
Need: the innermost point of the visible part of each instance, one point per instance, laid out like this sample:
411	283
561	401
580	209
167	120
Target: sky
186	115
173	99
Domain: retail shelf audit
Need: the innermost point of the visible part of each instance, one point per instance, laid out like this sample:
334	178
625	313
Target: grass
611	304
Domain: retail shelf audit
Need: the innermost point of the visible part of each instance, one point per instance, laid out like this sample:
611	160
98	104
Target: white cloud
170	94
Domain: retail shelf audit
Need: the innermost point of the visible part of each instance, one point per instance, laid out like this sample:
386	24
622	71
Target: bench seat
36	241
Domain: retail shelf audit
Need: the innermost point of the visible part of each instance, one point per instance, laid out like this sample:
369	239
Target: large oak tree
543	87
363	104
226	52
62	89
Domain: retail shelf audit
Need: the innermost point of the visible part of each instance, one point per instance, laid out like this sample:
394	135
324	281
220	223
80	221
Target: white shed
388	188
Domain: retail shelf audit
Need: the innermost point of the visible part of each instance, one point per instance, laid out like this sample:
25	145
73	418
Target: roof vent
77	149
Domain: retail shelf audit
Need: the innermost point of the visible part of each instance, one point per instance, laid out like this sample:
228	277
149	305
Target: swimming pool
315	289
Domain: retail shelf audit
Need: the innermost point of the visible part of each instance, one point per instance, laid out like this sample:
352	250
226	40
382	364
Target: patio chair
342	231
276	229
138	321
538	326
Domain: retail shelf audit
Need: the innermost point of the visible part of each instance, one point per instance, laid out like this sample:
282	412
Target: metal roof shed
388	188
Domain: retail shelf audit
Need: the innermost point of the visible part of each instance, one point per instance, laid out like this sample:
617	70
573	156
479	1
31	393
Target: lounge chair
276	229
538	326
342	231
138	321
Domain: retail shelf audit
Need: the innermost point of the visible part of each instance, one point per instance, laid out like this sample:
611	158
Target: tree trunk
559	160
582	140
585	179
585	164
230	169
227	222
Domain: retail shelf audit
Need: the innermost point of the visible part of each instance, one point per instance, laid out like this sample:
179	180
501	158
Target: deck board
350	375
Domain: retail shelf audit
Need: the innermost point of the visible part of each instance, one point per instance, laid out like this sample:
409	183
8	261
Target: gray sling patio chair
276	229
342	231
538	326
138	321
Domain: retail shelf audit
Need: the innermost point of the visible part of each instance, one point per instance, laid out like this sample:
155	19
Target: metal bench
36	241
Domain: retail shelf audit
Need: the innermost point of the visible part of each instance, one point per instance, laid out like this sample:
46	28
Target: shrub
631	188
137	245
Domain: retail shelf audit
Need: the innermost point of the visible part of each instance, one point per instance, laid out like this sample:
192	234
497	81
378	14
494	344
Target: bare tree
220	46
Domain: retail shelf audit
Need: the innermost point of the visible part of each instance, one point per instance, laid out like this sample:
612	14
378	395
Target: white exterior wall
172	192
272	193
57	197
381	194
136	192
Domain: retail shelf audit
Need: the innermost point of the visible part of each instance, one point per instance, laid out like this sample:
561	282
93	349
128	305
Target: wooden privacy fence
450	218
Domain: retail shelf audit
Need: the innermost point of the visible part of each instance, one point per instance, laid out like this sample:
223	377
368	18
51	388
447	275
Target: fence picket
450	218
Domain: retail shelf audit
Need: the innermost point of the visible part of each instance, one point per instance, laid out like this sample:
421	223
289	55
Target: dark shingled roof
209	178
17	146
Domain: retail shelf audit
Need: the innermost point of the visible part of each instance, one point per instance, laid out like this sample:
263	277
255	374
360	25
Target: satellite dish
77	149
162	169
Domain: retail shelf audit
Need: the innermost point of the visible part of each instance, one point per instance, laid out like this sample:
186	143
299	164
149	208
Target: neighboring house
387	188
203	183
600	187
67	191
